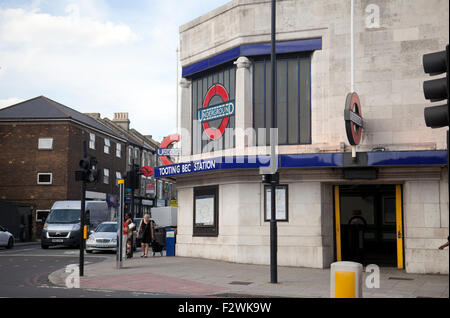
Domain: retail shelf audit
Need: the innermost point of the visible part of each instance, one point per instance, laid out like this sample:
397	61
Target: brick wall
20	161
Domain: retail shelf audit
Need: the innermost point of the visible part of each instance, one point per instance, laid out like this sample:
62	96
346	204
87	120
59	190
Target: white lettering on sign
204	165
187	168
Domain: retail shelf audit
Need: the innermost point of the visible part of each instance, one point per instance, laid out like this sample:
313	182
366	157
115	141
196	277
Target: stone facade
388	77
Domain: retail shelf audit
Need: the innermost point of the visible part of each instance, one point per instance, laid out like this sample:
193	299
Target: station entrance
368	224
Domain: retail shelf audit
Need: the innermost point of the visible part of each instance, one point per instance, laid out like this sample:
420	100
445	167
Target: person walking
129	232
146	232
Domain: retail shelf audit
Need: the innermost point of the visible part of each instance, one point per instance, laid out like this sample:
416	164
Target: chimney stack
122	120
93	115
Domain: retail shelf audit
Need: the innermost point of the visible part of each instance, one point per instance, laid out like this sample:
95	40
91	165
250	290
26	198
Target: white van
62	226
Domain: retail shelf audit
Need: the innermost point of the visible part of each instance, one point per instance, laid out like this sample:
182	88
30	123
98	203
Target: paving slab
203	277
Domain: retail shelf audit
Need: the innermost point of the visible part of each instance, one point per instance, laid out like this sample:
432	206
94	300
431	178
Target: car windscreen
106	228
63	216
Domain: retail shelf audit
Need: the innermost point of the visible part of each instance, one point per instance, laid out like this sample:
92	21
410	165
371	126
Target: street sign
168	152
164	144
353	119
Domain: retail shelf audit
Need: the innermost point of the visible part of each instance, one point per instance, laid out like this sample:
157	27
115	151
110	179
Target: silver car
6	238
104	238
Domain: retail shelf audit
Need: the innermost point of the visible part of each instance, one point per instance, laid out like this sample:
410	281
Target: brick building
40	148
142	149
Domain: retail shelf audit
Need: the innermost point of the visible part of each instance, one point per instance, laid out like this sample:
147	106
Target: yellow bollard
346	280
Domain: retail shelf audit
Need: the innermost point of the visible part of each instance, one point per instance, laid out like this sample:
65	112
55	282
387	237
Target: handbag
141	231
131	226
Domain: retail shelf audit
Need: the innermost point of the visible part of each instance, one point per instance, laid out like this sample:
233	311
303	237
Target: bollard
346	280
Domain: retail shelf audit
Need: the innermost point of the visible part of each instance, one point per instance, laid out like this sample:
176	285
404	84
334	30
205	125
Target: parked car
104	238
6	238
62	226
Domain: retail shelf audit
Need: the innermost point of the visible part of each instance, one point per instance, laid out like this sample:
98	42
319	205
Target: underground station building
385	203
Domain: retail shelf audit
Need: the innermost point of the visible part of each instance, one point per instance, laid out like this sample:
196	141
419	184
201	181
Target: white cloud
18	26
10	101
84	56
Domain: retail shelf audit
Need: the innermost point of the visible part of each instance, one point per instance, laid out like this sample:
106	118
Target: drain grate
240	283
401	278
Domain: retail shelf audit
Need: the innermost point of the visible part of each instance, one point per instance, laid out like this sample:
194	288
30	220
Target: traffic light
88	172
437	89
132	179
93	171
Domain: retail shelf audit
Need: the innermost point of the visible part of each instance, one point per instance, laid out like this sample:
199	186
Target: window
45	144
41	215
118	150
44	178
91	140
107	145
130	155
293	98
144	155
206	211
225	76
281	205
106	176
136	155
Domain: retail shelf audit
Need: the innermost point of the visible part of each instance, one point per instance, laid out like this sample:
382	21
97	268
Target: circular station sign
164	144
217	89
353	119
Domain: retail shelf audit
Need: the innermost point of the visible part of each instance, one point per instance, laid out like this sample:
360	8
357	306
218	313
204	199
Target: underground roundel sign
218	111
353	119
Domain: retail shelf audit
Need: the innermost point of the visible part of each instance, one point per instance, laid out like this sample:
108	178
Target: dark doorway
368	224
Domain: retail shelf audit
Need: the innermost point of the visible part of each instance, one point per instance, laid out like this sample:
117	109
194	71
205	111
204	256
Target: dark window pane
305	100
44	178
282	101
293	102
258	97
268	100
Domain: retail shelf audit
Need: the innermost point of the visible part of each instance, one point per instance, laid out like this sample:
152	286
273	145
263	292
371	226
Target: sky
98	56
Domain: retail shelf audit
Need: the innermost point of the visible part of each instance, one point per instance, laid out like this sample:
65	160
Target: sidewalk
180	276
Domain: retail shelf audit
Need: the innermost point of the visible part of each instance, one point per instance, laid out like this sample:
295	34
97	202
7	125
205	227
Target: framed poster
281	203
206	211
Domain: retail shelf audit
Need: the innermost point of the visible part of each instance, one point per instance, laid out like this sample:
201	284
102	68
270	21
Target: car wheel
10	243
44	246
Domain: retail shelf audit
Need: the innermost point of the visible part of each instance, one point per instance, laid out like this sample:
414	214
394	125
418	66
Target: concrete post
185	118
243	102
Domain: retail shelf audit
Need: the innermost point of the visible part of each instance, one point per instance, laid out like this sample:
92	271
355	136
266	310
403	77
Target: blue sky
100	56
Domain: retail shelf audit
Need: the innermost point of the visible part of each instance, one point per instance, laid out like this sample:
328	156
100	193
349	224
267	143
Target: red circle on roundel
147	171
215	133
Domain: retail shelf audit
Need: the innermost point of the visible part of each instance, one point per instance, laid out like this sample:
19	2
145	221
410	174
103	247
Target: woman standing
146	228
